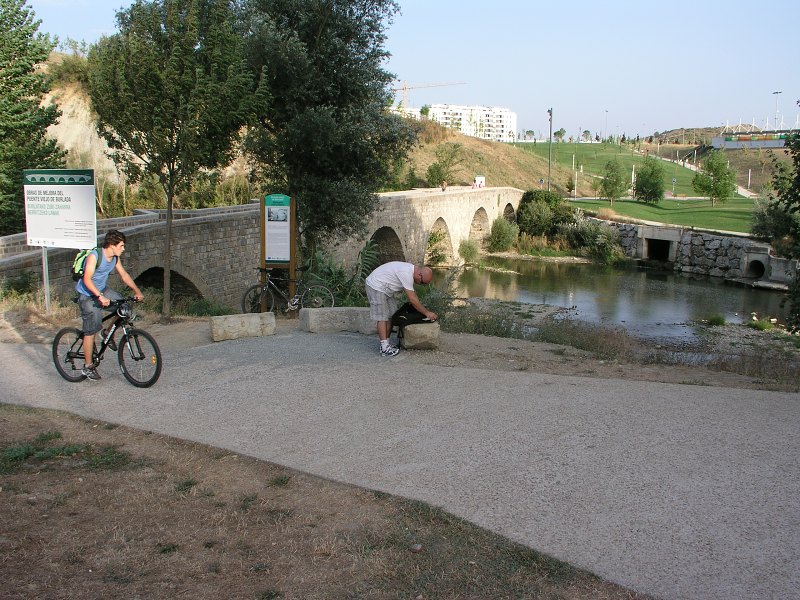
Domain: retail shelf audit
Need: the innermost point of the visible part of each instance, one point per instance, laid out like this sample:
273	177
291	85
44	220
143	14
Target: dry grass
180	519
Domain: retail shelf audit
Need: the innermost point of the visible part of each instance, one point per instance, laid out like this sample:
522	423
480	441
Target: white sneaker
390	350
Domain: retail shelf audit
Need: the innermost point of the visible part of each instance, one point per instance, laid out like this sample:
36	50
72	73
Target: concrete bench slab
338	318
231	327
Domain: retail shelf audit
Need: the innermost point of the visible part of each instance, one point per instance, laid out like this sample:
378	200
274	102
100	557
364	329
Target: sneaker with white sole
390	350
90	372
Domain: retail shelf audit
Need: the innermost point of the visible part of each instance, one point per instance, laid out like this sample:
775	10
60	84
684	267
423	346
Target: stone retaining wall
707	253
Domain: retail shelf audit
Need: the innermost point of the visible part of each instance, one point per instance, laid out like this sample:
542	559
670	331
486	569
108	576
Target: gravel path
678	491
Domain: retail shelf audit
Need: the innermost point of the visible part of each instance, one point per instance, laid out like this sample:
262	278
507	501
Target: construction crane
407	87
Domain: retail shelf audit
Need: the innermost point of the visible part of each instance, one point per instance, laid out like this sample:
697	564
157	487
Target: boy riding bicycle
94	294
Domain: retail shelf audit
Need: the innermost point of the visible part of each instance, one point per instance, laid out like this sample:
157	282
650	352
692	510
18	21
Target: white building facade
484	122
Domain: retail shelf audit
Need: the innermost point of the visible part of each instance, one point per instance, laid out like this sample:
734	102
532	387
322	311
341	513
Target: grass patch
716	320
761	325
733	215
603	342
43	455
280	480
186	485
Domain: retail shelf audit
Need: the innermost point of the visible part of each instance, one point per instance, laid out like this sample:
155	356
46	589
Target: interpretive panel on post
60	208
278	228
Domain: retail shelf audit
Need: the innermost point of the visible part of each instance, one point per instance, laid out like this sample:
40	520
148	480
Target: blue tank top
101	273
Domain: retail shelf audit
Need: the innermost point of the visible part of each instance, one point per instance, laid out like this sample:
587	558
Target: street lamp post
549	148
776	94
605	131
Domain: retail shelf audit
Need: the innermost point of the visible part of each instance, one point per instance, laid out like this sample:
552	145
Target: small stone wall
707	253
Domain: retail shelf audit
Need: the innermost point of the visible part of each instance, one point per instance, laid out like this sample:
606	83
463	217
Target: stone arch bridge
215	251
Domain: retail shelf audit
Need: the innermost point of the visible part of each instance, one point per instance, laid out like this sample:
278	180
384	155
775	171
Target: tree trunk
166	305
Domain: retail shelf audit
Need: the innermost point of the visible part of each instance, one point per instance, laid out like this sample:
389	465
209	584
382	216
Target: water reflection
647	303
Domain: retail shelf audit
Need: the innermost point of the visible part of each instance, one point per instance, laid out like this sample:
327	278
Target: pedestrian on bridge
382	285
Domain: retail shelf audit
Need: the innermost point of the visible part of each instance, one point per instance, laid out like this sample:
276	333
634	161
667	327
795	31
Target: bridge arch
479	227
509	213
389	245
439	247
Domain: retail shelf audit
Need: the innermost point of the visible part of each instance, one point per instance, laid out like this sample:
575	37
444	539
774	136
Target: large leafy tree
715	178
613	184
23	122
649	185
322	133
787	182
170	93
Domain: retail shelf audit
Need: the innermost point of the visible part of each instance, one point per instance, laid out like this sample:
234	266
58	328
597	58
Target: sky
617	67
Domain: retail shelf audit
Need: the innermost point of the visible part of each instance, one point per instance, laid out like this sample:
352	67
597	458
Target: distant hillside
501	164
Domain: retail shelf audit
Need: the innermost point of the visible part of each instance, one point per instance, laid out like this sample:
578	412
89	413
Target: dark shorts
92	312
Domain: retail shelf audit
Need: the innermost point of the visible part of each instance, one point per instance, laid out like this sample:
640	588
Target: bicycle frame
299	285
100	350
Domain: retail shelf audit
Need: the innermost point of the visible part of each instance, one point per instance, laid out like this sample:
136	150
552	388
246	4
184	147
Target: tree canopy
321	133
649	185
715	178
613	184
170	93
23	122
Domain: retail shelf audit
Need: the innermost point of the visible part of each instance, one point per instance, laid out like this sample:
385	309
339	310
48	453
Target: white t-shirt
392	277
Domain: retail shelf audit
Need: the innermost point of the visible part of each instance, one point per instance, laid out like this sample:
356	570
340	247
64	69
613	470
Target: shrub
436	252
547	197
596	240
535	218
716	320
502	235
468	251
531	244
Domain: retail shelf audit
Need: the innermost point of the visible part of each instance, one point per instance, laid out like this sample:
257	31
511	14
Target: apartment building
484	122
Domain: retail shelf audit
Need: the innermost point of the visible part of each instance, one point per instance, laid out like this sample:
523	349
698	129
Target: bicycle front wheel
68	354
139	358
258	298
317	296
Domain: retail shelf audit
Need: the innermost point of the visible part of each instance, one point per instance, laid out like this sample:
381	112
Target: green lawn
593	158
732	215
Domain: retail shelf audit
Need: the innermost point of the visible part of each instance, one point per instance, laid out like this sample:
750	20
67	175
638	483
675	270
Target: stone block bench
231	327
338	318
424	336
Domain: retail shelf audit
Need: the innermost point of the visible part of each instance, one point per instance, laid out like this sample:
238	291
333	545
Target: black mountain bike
138	354
261	296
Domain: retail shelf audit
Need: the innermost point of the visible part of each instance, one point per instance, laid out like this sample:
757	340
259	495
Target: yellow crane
407	87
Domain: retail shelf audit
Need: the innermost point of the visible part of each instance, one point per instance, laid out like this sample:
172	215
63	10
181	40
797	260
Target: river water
647	303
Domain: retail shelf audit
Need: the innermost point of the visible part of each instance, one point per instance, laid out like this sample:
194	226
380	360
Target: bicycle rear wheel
317	296
252	299
139	358
68	354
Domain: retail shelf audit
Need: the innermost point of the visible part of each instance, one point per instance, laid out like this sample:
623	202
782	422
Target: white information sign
60	208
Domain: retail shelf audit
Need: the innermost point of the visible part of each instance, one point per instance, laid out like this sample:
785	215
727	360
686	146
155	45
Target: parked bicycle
261	296
138	353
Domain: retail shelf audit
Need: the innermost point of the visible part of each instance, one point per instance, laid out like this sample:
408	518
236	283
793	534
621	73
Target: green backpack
80	261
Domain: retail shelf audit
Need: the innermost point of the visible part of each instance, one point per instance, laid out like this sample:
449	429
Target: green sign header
58	176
